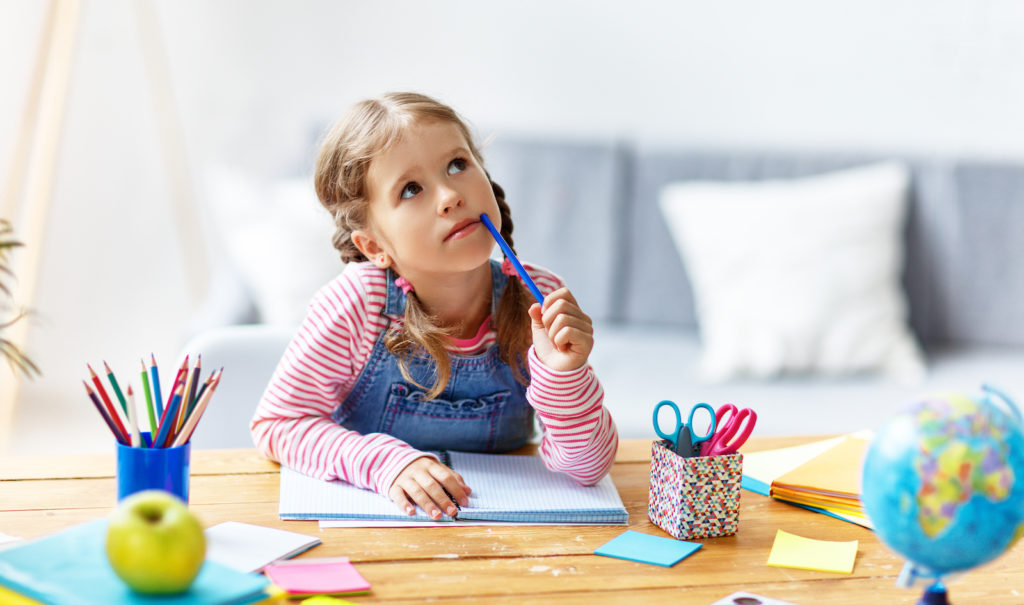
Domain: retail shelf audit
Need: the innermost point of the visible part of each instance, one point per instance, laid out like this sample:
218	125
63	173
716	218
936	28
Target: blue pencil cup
142	468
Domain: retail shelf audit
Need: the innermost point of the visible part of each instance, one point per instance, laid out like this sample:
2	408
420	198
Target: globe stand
934	595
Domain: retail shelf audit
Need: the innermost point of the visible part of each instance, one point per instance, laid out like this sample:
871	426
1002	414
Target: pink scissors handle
733	428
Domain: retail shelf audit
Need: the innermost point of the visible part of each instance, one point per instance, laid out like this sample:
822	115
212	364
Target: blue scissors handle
683	433
671	435
712	425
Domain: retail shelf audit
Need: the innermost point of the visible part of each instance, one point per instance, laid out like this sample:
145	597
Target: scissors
733	428
685	441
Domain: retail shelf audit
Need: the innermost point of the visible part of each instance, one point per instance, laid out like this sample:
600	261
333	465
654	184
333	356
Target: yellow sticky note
326	600
791	550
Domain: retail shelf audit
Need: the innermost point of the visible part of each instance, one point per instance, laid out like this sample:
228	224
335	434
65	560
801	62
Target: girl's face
426	194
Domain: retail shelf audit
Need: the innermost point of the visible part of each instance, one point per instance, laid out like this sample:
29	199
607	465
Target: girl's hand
563	334
424	482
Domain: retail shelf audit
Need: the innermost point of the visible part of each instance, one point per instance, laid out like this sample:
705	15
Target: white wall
252	78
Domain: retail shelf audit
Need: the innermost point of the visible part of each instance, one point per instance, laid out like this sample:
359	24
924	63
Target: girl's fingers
422	498
568	322
567	338
562	293
441	501
564	308
398	497
452	483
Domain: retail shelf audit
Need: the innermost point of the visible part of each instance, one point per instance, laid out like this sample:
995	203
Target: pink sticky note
329	575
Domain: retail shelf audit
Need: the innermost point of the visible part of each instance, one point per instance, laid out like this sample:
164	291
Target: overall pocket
469	425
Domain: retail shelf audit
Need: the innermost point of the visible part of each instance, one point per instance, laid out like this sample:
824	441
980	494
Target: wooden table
40	495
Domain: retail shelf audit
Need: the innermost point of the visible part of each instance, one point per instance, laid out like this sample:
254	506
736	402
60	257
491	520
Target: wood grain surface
503	564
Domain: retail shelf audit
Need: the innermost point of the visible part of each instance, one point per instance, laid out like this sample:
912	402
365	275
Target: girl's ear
370	248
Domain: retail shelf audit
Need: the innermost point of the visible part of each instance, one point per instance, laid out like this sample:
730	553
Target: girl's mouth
462	229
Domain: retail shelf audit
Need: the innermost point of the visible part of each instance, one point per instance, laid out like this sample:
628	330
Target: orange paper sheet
837	471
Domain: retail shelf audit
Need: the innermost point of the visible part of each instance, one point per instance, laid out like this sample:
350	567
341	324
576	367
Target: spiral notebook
505	488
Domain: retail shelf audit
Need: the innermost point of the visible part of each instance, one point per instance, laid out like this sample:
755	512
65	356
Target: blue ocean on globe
943	481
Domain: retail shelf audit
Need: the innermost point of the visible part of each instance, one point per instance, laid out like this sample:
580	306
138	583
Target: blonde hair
366	130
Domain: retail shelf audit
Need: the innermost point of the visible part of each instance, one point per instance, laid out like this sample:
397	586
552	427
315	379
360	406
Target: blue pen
512	257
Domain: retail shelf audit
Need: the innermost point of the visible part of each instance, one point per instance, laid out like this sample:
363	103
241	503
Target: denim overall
482	408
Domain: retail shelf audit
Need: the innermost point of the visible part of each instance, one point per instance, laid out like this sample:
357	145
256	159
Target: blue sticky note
644	548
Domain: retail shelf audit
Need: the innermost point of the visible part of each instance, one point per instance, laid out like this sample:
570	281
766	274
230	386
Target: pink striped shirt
292	424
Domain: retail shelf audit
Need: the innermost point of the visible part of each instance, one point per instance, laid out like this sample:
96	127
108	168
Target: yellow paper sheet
790	550
767	465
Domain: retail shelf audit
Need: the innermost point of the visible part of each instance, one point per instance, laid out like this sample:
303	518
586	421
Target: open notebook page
505	488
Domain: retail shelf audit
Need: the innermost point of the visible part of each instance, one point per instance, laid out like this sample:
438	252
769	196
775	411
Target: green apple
154	543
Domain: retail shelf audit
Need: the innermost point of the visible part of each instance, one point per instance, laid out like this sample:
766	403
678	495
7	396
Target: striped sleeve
580	438
293	424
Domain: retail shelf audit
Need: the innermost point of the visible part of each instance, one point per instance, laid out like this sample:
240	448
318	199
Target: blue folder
70	568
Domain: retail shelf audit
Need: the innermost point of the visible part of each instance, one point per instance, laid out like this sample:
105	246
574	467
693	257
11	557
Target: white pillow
279	237
799	276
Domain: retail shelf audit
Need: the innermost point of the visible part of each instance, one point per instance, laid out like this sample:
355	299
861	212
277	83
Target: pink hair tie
508	268
404	284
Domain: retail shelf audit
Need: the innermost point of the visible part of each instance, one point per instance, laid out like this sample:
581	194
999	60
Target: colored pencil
149	400
111	409
510	255
157	397
199	395
117	388
193	420
202	389
177	377
167	422
133	423
190	391
103	413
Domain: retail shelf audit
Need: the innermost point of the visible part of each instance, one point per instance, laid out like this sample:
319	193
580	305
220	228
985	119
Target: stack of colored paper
312	576
830	481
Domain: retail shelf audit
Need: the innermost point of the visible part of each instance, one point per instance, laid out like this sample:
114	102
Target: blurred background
131	130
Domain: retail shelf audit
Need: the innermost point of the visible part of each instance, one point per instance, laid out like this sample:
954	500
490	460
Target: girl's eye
410	190
456	166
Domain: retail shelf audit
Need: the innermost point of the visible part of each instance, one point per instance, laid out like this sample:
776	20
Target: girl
424	343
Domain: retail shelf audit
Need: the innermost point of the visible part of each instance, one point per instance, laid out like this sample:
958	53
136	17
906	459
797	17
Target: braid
513	319
505	213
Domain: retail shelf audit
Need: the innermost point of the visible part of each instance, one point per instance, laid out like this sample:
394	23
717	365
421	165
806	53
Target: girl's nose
450	199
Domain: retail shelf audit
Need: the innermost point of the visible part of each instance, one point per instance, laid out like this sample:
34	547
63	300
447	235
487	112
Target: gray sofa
588	211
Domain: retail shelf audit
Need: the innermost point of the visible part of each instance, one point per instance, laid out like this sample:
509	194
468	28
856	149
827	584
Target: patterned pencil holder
695	497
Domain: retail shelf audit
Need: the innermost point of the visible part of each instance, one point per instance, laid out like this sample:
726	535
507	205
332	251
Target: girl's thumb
536	318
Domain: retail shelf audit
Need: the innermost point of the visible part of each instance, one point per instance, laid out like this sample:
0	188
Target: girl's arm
292	424
580	437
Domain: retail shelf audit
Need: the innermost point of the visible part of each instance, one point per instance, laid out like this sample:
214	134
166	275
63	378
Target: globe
943	481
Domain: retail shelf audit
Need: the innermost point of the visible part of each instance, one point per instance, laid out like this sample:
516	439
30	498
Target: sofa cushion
960	238
797	275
